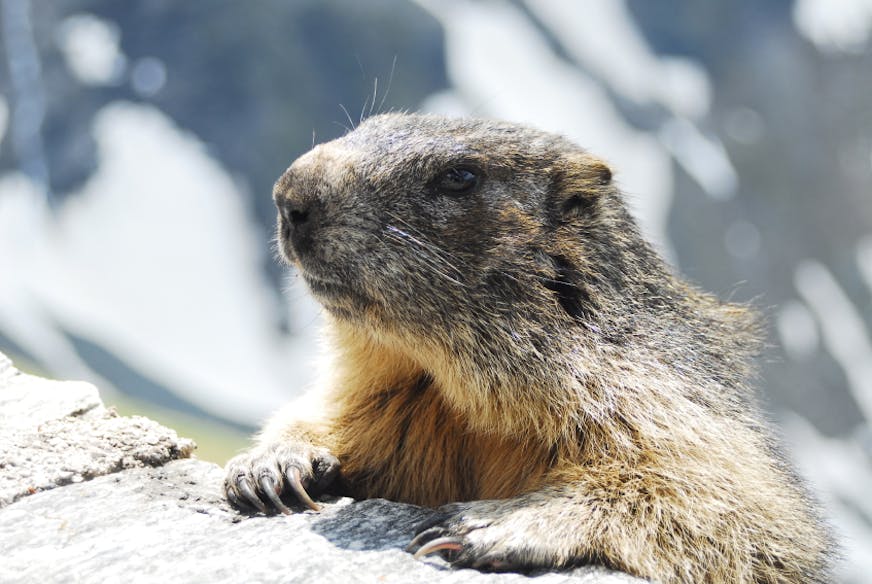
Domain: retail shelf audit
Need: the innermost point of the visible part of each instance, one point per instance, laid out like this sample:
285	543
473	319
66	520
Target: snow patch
840	475
156	259
603	37
842	327
25	226
834	26
703	158
90	46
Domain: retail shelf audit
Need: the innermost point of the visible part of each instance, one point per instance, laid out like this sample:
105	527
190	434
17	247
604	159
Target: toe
271	488
295	483
246	489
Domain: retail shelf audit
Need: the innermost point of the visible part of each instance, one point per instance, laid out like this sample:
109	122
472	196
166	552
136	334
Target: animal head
431	223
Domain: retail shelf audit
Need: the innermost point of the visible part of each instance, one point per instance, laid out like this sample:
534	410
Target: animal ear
580	181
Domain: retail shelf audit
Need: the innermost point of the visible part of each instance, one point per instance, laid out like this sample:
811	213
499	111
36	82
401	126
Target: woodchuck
507	346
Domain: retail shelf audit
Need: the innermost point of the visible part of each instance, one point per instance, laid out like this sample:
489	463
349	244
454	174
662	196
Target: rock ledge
89	496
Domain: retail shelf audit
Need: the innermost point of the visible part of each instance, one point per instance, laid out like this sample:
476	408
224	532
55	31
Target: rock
53	433
127	511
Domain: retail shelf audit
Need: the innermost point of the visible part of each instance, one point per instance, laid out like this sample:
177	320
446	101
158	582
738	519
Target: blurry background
139	143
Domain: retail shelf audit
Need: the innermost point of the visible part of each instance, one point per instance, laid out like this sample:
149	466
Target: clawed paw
268	479
466	538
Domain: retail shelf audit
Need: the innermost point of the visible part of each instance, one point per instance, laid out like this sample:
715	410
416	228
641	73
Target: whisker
439	253
341	125
406	235
444	255
363	110
347	115
402	237
374	96
390	81
360	65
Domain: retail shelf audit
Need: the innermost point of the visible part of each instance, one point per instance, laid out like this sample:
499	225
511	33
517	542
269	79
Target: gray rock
53	433
144	517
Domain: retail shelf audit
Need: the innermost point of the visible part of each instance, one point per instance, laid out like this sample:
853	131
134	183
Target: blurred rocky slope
792	230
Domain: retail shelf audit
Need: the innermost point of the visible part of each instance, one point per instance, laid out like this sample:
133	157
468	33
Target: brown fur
518	352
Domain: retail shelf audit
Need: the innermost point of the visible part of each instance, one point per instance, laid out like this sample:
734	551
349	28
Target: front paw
488	535
259	478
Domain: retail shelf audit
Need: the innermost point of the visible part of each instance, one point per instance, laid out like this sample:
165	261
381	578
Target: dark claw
422	538
269	488
247	489
453	544
296	485
237	502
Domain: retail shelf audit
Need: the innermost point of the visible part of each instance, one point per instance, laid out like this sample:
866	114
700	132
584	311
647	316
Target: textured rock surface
54	433
144	517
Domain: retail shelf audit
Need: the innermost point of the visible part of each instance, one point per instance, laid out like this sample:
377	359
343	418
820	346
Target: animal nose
299	220
295	213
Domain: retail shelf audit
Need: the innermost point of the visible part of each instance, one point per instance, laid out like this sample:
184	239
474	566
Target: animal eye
457	180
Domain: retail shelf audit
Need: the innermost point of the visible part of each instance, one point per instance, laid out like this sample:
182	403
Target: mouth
336	295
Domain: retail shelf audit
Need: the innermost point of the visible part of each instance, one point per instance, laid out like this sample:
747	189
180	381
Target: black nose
299	222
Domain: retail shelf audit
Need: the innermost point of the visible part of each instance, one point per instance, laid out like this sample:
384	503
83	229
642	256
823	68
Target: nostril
300	222
299	217
294	213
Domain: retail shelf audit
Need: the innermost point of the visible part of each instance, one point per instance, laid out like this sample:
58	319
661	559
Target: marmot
508	347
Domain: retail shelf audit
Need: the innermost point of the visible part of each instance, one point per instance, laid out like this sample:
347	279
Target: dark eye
457	181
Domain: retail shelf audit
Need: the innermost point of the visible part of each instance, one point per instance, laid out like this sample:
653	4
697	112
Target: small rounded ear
580	180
